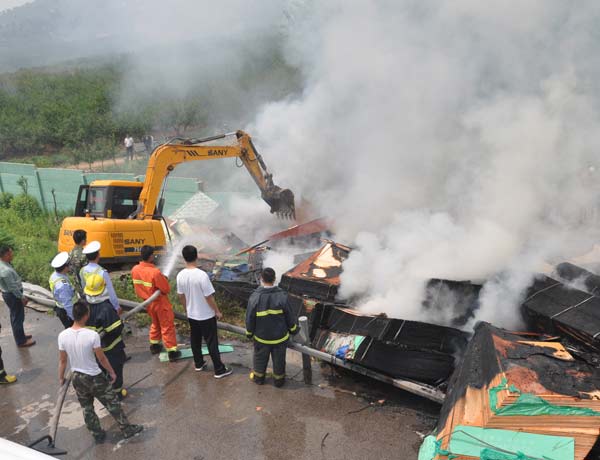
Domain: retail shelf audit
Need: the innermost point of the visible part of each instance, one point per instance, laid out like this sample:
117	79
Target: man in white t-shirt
129	147
82	348
196	293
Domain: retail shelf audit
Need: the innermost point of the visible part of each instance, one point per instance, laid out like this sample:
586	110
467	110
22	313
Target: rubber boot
256	379
132	430
155	348
6	378
100	437
174	355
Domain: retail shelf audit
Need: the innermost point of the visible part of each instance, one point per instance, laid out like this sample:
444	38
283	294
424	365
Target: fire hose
62	391
420	389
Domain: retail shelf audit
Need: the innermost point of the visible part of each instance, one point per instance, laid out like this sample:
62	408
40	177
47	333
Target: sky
8	4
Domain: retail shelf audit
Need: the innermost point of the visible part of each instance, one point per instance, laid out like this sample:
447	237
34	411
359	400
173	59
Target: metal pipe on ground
419	389
50	448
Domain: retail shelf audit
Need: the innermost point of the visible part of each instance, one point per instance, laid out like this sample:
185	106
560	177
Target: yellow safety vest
57	279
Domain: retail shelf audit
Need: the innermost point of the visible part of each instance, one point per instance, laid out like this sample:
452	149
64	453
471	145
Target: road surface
190	415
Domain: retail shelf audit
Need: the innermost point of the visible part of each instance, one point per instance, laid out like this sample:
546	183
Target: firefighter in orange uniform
147	278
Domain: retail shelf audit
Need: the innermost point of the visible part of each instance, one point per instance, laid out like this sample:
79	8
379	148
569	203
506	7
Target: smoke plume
454	139
446	139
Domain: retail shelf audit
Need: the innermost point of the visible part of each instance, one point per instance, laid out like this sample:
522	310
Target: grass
33	236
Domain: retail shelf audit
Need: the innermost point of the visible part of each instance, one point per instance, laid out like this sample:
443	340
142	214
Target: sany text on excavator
126	215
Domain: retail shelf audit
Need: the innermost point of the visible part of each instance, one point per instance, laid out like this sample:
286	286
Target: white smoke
280	261
446	139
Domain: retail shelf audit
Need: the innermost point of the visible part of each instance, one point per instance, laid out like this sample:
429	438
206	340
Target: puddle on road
71	417
31	411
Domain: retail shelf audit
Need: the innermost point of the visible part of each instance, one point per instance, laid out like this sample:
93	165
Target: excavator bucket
281	202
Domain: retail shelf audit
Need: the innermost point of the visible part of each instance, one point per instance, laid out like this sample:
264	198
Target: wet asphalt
190	415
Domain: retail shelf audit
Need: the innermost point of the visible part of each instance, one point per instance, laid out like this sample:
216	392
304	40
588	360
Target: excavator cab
109	199
106	210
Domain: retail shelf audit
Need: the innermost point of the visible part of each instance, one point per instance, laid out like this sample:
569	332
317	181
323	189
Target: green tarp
528	404
493	444
187	352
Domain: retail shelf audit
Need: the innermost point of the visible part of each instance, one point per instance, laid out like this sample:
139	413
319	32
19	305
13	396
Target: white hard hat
91	247
60	260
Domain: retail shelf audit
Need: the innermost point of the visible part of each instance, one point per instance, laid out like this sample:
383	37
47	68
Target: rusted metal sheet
314	227
319	275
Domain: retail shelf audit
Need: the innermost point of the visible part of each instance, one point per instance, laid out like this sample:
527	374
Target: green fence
60	186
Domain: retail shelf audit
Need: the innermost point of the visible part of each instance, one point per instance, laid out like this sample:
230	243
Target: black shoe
174	355
132	430
100	437
155	348
224	373
279	382
200	368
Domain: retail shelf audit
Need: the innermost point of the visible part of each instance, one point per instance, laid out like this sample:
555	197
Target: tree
181	114
23	183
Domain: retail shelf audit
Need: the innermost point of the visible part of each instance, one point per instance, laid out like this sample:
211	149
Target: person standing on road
81	347
196	293
147	279
148	143
104	320
63	291
12	293
5	378
128	147
77	259
95	280
269	321
104	311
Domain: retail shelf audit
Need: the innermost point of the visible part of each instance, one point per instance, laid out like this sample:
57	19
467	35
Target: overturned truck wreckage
554	307
514	397
412	350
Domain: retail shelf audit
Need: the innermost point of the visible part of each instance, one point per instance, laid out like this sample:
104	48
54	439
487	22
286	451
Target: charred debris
526	395
533	394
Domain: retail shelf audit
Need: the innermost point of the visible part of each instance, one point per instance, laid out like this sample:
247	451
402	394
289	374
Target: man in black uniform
269	322
104	318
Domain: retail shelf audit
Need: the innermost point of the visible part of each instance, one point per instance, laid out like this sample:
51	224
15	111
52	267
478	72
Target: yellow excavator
126	215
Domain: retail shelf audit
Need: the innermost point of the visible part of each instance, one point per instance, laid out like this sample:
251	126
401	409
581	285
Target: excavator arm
167	156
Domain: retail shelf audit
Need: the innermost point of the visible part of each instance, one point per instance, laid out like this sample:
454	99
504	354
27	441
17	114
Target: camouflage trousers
98	386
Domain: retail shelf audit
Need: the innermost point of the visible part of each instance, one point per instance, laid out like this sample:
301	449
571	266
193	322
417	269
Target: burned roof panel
555	308
402	349
319	275
308	228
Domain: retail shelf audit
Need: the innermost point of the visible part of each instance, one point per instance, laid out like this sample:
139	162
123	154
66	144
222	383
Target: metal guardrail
417	388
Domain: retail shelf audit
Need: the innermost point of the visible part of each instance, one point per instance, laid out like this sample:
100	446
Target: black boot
131	430
155	348
256	379
174	355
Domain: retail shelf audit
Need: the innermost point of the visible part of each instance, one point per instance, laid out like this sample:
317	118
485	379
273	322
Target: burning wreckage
509	395
398	348
529	395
